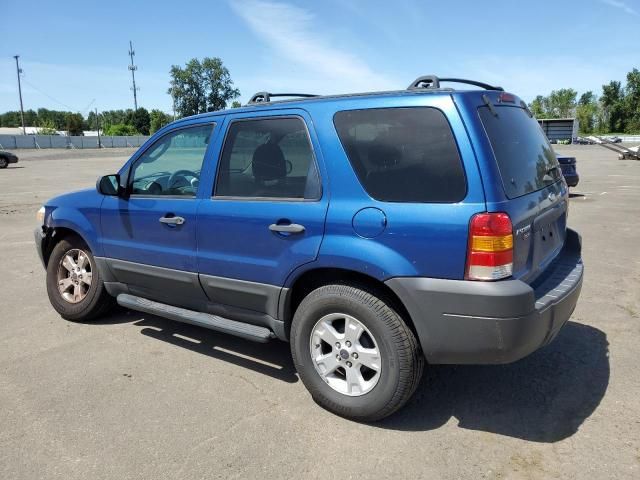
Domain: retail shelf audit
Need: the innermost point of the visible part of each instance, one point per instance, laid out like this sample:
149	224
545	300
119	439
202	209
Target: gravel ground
136	396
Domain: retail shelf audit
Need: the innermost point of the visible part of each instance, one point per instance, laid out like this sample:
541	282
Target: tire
3	162
396	373
93	300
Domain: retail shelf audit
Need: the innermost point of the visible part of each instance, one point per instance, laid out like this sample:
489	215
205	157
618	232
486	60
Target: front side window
172	165
269	157
403	154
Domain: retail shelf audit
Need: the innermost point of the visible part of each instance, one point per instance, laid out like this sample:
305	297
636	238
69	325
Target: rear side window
269	157
525	159
403	154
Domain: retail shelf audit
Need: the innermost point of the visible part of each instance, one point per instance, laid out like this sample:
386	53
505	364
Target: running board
206	320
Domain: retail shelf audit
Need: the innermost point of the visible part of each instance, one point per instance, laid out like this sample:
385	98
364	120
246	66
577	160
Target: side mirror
109	185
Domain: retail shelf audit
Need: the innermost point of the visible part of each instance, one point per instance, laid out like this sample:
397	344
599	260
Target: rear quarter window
403	154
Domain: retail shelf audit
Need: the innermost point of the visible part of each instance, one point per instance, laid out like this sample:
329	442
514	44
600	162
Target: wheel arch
314	278
54	236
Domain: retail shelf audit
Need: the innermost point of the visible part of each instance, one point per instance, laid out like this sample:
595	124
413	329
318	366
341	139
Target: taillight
490	251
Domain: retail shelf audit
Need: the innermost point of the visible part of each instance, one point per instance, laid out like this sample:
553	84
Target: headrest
268	163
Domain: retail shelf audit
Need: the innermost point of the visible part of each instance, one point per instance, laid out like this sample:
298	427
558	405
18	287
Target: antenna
133	69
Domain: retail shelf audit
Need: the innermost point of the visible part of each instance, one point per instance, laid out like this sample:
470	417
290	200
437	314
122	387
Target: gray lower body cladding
492	322
249	302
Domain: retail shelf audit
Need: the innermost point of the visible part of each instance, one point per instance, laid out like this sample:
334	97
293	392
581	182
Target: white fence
9	142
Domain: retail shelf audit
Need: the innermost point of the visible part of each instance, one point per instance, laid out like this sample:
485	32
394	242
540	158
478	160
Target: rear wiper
488	103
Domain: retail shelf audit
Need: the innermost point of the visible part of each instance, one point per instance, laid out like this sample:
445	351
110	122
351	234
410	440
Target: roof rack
263	97
431	81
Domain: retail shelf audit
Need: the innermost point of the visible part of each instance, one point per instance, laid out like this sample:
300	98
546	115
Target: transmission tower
133	69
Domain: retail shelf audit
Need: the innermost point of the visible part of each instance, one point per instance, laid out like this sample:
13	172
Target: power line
50	97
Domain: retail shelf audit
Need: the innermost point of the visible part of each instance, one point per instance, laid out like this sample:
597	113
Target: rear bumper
492	322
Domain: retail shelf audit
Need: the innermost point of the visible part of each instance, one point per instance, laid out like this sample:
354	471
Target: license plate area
549	230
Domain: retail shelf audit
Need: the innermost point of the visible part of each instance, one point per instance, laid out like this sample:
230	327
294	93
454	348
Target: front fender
79	212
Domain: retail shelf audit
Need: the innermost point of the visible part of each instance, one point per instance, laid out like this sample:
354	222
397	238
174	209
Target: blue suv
372	231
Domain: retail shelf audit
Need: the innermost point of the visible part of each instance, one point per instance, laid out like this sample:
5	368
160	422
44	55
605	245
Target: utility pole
133	69
19	71
98	127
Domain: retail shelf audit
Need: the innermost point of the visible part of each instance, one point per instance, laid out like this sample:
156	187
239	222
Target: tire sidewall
309	312
72	311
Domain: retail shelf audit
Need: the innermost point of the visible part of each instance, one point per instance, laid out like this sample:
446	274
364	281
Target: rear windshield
525	159
403	154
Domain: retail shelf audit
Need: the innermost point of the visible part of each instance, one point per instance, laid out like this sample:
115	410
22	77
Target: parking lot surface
137	396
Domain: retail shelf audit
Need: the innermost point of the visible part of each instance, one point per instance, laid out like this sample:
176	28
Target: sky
74	54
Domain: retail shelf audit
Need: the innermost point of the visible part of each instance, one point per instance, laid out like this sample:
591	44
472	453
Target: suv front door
149	237
266	215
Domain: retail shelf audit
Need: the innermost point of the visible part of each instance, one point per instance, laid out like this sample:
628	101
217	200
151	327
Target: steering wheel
180	173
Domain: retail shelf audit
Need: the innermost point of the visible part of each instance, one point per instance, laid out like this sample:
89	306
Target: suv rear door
522	178
267	210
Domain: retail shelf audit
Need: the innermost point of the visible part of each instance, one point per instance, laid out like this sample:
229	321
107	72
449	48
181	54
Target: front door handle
172	220
286	228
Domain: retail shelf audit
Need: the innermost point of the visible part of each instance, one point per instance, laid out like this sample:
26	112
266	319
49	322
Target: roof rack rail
431	81
263	97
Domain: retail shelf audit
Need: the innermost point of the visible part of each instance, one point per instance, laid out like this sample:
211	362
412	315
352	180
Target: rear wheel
3	162
354	352
74	285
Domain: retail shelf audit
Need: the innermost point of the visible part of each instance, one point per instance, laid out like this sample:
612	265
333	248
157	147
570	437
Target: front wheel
3	162
354	352
74	285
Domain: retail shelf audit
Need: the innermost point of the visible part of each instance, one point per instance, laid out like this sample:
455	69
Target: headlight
40	216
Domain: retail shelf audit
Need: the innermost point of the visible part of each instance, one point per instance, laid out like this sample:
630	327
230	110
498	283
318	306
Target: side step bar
206	320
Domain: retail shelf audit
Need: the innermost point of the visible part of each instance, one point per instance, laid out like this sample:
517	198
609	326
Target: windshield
526	161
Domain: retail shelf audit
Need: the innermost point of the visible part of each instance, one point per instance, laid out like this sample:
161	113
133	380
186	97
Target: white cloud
289	33
621	5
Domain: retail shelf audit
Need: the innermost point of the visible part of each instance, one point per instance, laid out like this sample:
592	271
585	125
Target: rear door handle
288	228
172	220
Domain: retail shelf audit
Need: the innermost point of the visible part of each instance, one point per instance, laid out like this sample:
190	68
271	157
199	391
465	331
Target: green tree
158	119
612	101
120	129
587	112
47	127
201	86
94	121
116	117
632	102
73	123
539	107
562	103
141	121
236	104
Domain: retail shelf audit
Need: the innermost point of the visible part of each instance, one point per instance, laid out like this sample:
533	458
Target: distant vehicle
583	141
569	171
6	158
614	139
375	232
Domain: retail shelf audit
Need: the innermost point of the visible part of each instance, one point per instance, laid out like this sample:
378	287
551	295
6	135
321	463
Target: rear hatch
528	185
